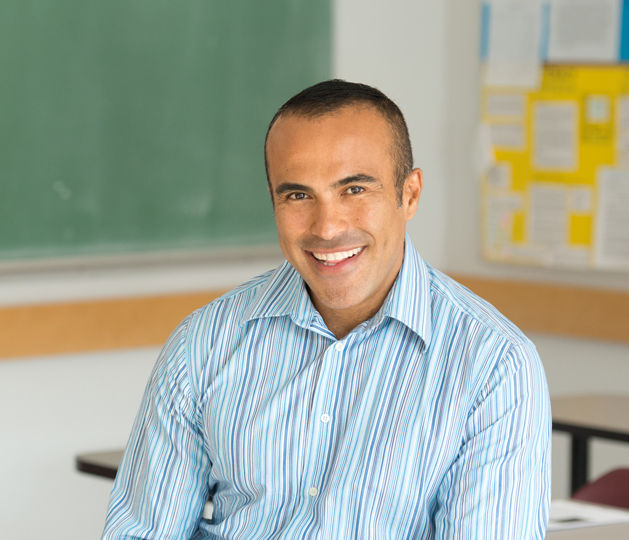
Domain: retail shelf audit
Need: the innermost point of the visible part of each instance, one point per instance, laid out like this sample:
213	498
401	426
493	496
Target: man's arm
161	486
499	486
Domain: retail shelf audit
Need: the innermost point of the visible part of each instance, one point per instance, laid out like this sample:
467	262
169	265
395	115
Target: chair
611	489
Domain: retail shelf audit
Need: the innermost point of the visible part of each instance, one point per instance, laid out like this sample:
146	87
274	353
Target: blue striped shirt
430	420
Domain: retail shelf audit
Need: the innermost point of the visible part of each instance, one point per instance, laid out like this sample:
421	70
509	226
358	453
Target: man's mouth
332	259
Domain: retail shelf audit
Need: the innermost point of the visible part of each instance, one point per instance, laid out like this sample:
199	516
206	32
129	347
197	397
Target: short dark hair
329	96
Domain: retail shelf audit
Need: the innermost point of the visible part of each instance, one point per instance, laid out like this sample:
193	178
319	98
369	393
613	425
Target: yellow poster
557	193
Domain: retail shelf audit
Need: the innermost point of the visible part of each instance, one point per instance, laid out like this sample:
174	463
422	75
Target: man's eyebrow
291	186
355	178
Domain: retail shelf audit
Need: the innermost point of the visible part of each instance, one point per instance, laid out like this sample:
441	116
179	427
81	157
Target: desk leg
579	462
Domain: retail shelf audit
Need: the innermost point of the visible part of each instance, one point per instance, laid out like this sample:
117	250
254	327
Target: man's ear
412	190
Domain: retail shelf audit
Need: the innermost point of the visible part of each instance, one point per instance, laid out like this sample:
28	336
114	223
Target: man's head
340	205
329	96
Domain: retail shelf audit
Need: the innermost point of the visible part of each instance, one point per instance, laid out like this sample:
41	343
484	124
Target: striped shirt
430	420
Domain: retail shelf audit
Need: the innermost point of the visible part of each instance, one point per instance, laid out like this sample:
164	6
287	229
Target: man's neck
341	323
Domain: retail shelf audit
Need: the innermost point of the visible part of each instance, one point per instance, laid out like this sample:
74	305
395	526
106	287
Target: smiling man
352	393
340	210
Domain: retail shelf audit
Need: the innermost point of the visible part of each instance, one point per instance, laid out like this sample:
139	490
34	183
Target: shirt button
339	346
313	491
325	418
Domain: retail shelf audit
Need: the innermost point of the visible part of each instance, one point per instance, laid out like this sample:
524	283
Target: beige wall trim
568	311
139	322
96	325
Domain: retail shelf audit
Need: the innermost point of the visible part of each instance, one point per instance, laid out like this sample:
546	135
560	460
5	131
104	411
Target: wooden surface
553	309
98	325
137	322
595	411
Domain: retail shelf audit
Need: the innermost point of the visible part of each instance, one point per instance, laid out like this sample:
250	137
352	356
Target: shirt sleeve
161	485
499	486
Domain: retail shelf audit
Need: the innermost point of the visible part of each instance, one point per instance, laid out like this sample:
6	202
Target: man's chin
336	300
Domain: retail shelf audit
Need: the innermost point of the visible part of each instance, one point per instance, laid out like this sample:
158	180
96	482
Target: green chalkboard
138	125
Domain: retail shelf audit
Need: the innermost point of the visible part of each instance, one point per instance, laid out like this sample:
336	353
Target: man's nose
329	220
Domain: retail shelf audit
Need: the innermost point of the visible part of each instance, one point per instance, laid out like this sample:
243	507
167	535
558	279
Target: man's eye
297	196
354	190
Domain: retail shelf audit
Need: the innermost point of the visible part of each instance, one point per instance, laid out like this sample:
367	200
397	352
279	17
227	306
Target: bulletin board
555	133
558	191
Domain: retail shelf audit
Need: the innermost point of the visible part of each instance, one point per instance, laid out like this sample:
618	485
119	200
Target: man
352	393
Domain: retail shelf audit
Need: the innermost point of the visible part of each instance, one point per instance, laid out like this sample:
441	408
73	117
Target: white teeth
338	256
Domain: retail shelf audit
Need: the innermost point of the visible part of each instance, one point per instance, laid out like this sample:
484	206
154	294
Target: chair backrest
611	489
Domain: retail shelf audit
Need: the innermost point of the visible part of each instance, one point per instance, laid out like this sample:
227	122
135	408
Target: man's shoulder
493	347
218	324
234	304
472	307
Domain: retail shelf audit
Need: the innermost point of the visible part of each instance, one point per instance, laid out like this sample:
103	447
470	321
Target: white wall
422	54
50	410
399	46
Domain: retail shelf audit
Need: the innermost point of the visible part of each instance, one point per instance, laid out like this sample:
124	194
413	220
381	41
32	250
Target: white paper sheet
584	30
508	136
499	224
548	219
581	199
574	514
612	224
208	510
514	37
532	254
556	129
499	176
484	155
598	109
506	105
571	257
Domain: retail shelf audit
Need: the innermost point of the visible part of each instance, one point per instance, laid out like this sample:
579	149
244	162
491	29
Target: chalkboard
138	125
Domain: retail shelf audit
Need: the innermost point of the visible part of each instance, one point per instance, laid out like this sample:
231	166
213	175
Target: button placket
321	432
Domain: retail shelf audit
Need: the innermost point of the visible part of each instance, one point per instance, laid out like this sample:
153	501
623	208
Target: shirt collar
283	294
408	300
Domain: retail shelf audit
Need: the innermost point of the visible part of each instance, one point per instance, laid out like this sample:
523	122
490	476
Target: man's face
338	221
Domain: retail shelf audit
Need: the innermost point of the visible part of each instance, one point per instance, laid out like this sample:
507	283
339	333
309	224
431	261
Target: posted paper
514	37
584	30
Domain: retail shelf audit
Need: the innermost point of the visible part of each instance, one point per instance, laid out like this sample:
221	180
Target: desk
100	463
586	416
619	531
